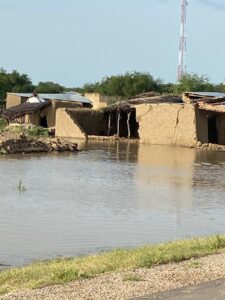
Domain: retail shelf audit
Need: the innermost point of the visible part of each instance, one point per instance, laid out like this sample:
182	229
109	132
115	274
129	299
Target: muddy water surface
108	195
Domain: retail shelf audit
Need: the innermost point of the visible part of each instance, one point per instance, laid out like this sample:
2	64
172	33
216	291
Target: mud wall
202	125
98	101
202	117
168	124
92	122
32	119
66	127
221	129
12	100
50	111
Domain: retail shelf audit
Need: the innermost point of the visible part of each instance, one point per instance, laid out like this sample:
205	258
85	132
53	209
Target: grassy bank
59	271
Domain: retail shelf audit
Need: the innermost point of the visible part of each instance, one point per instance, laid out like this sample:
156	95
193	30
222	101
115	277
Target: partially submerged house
43	114
209	116
193	119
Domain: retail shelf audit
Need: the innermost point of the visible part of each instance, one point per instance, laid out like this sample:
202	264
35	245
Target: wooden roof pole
118	123
109	124
128	123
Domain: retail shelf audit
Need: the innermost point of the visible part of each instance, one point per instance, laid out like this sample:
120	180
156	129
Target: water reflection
108	195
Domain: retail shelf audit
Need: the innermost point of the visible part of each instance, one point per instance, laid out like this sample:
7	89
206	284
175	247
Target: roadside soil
133	283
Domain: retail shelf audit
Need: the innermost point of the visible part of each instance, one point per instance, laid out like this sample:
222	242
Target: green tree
220	87
194	83
126	86
49	87
168	88
14	82
20	83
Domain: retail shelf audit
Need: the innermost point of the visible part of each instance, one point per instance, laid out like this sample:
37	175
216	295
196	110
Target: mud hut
195	118
41	114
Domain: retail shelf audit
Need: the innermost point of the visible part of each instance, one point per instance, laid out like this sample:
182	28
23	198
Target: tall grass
36	131
3	124
63	270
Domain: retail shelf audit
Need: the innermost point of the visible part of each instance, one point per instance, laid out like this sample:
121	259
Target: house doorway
43	122
212	130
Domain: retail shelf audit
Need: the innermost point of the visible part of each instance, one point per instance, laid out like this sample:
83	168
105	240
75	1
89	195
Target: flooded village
193	120
150	170
112	150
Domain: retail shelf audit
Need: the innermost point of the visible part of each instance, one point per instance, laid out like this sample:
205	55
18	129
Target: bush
3	124
38	131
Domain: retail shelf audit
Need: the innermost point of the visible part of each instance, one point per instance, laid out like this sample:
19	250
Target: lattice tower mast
182	47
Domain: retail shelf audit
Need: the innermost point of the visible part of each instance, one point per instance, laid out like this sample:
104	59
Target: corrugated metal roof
73	97
208	94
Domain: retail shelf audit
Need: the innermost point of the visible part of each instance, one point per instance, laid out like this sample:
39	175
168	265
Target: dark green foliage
194	83
134	83
3	124
126	86
21	83
123	86
38	131
49	87
14	82
220	87
168	88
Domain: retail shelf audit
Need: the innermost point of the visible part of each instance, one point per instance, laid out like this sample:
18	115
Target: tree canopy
194	83
14	82
126	86
49	87
122	86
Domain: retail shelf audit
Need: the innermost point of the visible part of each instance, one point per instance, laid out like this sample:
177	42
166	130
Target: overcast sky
77	41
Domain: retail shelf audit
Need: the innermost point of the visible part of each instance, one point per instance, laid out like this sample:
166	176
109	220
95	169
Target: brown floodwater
108	195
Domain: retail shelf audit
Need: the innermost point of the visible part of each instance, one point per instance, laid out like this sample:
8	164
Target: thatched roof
147	98
23	109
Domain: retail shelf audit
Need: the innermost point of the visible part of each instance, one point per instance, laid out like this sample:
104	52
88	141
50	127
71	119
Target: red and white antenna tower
182	49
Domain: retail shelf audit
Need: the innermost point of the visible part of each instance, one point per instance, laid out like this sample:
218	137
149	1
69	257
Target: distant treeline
134	83
123	86
21	83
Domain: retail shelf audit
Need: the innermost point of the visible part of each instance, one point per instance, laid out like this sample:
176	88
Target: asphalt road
213	290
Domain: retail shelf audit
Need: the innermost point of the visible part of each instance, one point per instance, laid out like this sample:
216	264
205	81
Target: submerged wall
168	124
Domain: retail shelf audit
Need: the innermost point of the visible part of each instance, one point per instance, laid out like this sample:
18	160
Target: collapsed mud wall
79	123
92	122
168	124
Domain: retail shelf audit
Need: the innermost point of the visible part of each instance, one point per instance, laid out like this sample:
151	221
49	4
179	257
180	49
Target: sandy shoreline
134	283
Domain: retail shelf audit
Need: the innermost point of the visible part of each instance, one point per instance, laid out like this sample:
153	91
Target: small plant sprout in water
21	187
